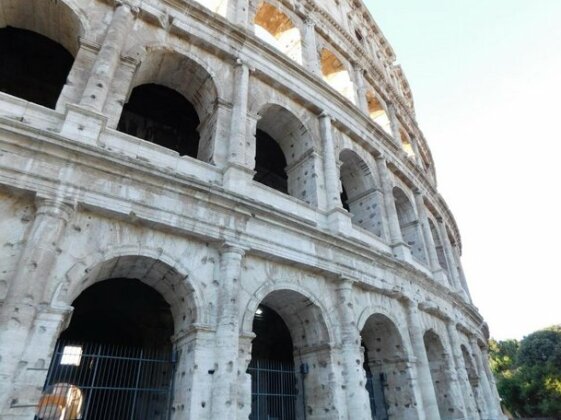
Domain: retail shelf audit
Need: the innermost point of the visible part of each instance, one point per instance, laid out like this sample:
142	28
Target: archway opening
389	378
378	113
33	67
283	154
115	358
289	358
162	116
270	163
475	403
406	144
217	6
277	29
360	196
438	245
409	224
438	362
274	380
336	75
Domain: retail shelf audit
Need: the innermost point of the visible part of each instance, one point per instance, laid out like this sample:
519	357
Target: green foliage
529	373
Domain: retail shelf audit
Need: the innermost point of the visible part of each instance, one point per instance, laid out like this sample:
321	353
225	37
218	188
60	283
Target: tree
529	373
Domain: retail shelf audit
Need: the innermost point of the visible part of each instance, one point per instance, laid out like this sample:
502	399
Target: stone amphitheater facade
256	165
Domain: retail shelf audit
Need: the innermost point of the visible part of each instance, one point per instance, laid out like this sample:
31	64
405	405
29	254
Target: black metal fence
273	390
107	382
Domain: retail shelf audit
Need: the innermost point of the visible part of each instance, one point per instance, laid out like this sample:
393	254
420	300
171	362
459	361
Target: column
488	395
492	383
19	311
354	378
238	173
362	101
238	12
338	218
460	366
430	246
400	248
99	82
225	377
394	123
463	280
452	266
424	378
310	49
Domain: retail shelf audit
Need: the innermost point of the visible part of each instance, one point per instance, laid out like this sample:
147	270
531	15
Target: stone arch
282	139
360	194
409	224
406	142
438	245
378	112
38	43
276	28
306	322
337	75
439	368
188	77
388	368
152	267
476	404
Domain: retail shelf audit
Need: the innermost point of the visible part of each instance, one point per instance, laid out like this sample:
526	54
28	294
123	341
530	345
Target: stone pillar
424	378
400	248
354	378
224	403
237	173
394	124
460	367
19	313
463	281
452	266
488	394
430	246
362	101
99	82
338	219
238	12
492	383
310	49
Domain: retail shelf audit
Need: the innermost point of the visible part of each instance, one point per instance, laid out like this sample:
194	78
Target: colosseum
223	209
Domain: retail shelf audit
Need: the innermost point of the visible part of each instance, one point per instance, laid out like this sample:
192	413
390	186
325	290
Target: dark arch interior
345	199
32	66
121	311
270	163
162	116
273	341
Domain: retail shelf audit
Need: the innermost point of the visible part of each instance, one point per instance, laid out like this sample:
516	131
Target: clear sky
486	79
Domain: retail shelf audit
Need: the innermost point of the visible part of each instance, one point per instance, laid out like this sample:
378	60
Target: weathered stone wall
81	202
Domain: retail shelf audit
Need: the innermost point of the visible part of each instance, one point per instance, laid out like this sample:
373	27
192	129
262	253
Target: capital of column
132	5
325	115
310	22
231	248
55	208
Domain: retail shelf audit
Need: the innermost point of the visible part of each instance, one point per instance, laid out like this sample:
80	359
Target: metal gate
93	381
273	390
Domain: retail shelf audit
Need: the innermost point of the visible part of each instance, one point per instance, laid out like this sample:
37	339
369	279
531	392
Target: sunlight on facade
278	30
406	143
217	6
336	75
378	113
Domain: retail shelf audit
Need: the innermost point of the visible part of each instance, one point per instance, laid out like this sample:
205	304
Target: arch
409	224
360	195
282	139
336	75
152	267
475	402
406	143
378	112
389	376
38	43
59	20
277	29
188	77
438	245
219	7
438	363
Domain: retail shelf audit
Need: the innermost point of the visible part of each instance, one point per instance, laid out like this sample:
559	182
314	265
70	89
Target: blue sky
486	78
